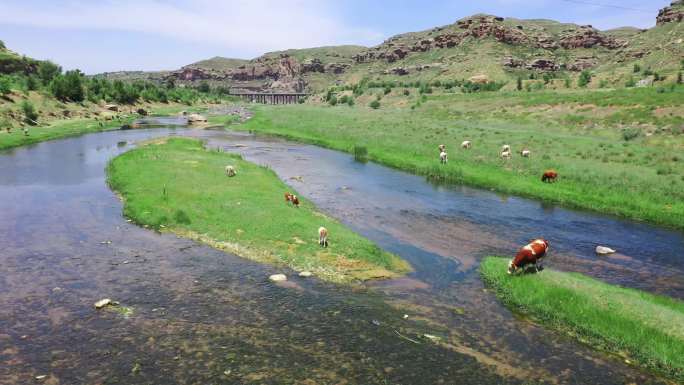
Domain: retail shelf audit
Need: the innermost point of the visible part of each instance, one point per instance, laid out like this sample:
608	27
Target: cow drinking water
530	254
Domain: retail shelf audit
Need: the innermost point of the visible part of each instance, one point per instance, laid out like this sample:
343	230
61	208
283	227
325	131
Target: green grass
179	186
599	170
640	327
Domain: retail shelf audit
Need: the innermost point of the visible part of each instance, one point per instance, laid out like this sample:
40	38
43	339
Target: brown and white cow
530	254
549	176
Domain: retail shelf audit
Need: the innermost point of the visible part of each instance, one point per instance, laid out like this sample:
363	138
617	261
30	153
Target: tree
584	79
47	71
31	83
68	87
679	77
519	83
637	68
204	87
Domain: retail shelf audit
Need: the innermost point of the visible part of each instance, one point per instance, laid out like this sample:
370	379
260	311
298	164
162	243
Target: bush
630	82
343	99
387	90
637	68
679	77
204	87
436	83
5	85
584	79
631	133
568	83
519	84
360	153
603	83
2	45
30	114
407	92
333	100
350	101
375	104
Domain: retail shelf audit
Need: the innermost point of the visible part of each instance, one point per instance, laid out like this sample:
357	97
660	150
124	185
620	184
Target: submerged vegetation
178	186
638	326
607	145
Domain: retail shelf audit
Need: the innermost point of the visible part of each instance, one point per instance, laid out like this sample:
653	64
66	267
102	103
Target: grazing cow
549	176
466	144
442	148
295	200
525	153
506	154
506	148
443	157
230	171
323	236
288	197
530	254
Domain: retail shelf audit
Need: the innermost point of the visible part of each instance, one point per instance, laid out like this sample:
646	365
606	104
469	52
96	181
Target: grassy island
177	185
642	328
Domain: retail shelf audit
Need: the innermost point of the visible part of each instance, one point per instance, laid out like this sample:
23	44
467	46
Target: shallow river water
200	316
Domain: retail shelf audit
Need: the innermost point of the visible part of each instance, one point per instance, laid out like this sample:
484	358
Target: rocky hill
484	46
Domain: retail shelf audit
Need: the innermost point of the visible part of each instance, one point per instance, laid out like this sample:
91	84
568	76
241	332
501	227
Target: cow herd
505	154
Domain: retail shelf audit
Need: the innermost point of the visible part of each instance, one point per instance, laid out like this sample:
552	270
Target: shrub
333	100
350	101
31	83
568	83
343	99
407	92
181	217
375	104
47	71
679	77
519	84
603	83
387	90
584	79
30	114
437	83
204	87
2	45
5	85
360	153
637	68
630	82
68	87
631	133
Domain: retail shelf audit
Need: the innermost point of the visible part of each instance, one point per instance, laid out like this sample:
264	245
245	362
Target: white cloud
256	26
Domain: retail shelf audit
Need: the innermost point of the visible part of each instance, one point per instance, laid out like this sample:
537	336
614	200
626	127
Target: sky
113	35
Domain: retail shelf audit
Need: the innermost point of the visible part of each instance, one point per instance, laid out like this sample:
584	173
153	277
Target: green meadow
616	151
176	185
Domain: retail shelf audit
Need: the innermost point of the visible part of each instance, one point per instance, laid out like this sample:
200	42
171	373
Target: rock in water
278	278
305	274
196	118
602	250
102	303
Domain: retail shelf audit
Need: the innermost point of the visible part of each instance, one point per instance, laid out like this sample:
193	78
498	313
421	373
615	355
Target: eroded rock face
313	65
672	14
543	65
582	63
588	37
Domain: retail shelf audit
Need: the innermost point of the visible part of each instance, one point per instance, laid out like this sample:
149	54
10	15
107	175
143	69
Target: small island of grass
177	185
643	328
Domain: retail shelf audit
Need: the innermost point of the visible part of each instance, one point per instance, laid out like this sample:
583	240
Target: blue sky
111	35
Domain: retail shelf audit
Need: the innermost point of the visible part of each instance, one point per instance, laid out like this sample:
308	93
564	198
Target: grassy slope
245	214
636	325
641	179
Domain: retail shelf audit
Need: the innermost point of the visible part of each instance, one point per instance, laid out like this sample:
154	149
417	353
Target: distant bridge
265	98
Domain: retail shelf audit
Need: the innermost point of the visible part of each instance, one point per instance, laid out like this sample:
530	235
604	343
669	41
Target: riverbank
62	128
640	178
176	185
642	328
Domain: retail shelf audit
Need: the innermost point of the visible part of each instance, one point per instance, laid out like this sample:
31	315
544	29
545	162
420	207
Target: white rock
278	277
305	274
602	250
102	303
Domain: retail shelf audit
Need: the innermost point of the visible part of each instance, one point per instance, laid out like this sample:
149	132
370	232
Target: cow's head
511	267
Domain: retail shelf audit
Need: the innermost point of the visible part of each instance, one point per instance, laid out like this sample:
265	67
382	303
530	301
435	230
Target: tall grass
638	326
181	187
